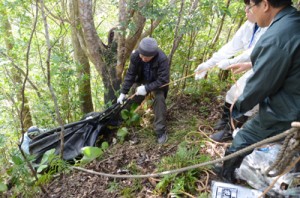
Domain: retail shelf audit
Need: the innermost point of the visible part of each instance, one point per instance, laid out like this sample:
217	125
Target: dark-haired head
273	3
247	2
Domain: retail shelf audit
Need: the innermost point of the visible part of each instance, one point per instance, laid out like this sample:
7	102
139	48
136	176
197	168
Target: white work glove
201	71
121	98
223	64
141	91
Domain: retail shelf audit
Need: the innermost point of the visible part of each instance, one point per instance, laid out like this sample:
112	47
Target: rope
279	155
178	80
180	170
289	149
288	169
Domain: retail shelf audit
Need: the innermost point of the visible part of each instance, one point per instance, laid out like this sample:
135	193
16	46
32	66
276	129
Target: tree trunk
81	60
110	60
103	57
25	115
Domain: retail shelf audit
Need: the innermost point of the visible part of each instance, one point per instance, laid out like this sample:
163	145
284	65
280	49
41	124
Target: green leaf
41	168
133	107
125	114
3	187
17	160
90	153
47	155
122	133
135	118
104	146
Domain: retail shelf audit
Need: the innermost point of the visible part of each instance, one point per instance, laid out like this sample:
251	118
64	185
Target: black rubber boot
223	135
238	123
224	119
226	172
226	133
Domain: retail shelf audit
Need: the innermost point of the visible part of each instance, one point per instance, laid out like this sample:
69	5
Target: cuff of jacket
236	114
147	88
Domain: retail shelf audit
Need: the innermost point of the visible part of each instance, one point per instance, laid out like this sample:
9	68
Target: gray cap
148	47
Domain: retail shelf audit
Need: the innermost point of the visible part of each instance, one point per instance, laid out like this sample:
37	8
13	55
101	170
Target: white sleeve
245	56
238	43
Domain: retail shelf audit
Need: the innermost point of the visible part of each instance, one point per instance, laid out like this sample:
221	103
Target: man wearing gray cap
149	70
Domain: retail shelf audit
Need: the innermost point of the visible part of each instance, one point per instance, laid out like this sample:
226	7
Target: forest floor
140	154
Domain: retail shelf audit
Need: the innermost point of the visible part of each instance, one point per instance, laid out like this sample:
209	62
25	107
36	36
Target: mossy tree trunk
21	102
81	61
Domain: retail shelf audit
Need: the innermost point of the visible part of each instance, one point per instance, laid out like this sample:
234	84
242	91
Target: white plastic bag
255	165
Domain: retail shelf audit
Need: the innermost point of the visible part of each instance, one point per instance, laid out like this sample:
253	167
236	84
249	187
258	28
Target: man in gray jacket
274	85
149	71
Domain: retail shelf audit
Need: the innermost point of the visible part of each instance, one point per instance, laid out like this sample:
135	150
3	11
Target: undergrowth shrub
177	184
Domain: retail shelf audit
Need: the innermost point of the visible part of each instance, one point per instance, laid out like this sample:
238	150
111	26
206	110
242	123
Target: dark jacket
159	68
276	65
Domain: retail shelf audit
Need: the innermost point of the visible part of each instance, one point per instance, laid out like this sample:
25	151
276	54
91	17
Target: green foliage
130	117
47	158
3	187
183	182
50	164
130	191
90	153
18	175
113	186
122	133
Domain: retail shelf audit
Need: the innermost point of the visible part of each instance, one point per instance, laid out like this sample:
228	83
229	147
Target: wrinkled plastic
76	135
254	166
25	143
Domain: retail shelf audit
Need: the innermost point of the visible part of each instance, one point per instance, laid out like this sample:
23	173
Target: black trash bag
76	135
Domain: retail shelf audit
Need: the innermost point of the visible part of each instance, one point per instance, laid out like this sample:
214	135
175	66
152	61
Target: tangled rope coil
289	149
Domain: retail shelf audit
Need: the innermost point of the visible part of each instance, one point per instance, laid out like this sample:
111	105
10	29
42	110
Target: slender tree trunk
177	37
49	49
298	5
187	66
82	61
216	38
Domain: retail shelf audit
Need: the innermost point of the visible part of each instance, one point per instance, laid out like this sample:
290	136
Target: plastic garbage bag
32	132
25	143
254	166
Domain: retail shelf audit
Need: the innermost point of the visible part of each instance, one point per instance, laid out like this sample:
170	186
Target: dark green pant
252	132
